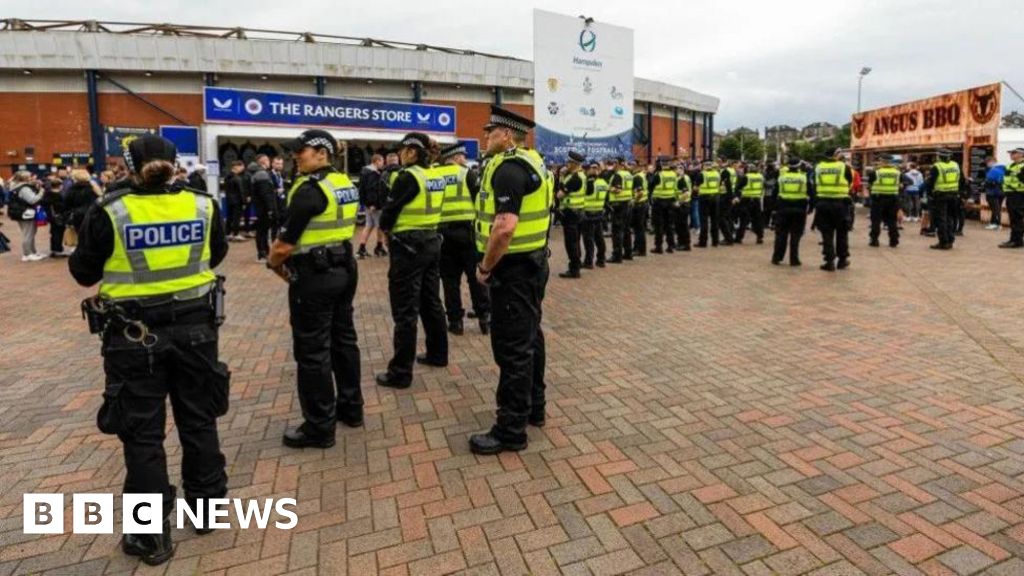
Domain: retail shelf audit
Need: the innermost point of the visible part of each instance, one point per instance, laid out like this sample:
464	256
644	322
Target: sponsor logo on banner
616	95
444	119
553	108
225	104
588	40
619	111
588	86
552	84
584	111
984	104
253	106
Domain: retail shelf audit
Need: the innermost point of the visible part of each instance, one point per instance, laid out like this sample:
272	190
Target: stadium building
71	91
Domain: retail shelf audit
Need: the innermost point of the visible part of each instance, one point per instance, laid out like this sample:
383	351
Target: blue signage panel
185	138
252	107
472	148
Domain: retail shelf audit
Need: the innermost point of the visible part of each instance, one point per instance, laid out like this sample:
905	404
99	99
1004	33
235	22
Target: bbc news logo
144	514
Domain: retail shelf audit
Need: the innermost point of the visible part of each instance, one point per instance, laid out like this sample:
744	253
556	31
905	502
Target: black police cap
147	148
576	157
503	118
314	138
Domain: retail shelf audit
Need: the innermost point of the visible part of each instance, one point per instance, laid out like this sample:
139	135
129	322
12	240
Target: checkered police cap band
128	158
452	152
412	143
324	142
506	122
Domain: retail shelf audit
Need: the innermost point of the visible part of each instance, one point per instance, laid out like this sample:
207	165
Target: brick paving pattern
709	414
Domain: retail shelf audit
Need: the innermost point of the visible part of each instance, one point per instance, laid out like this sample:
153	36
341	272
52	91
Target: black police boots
428	361
455	327
485	324
301	438
487	444
154	549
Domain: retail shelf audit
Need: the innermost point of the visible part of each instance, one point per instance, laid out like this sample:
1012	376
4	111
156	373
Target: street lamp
860	82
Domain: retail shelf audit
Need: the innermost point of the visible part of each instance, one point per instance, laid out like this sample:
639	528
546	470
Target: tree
748	147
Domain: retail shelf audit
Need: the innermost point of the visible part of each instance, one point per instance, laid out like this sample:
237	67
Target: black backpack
16	206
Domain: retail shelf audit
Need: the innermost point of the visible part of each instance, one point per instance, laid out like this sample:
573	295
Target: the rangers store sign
969	117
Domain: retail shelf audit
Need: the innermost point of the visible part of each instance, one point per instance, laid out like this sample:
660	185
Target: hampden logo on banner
970	117
252	107
582	86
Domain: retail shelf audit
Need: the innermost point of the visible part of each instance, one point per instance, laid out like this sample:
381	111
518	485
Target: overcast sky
775	62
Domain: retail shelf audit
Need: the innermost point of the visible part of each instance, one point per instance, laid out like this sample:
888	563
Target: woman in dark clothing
80	196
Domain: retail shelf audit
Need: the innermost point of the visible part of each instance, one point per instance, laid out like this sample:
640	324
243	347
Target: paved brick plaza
708	414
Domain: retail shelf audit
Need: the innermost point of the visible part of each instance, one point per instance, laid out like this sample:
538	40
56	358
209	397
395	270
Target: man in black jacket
234	191
371	194
264	198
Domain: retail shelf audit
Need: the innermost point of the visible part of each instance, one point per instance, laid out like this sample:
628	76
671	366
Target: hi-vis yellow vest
793	185
625	193
887	181
1013	182
642	196
161	246
830	179
686	194
712	183
732	179
949	177
668	186
424	211
458	204
531	231
597	196
754	186
337	223
575	200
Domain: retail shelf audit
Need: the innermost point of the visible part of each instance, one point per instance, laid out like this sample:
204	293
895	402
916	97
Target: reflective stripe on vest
793	186
949	177
1012	182
458	204
754	186
668	186
887	181
830	178
337	222
161	246
575	200
625	193
531	232
424	211
711	184
597	196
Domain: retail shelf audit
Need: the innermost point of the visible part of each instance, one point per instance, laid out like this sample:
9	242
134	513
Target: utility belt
322	258
136	318
414	240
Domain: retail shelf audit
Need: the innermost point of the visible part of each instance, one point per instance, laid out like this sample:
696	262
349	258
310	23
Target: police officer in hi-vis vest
710	189
411	216
593	217
620	201
573	198
513	217
945	182
1013	187
641	207
792	205
152	249
750	185
313	252
885	204
664	190
458	248
832	180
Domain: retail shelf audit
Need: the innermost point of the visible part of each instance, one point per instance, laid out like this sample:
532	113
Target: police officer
885	190
729	177
1013	187
683	209
792	206
458	248
664	188
945	181
573	198
152	249
593	217
411	216
709	194
750	186
313	251
640	212
832	180
513	217
620	198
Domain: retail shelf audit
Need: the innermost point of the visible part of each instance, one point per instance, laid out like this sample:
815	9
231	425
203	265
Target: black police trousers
885	210
832	218
458	258
639	226
1015	208
790	221
266	208
712	219
324	343
621	245
235	206
571	224
682	214
750	215
664	219
414	289
182	364
943	207
517	292
593	238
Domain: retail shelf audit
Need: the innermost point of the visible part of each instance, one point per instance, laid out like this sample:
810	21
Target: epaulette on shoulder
111	197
